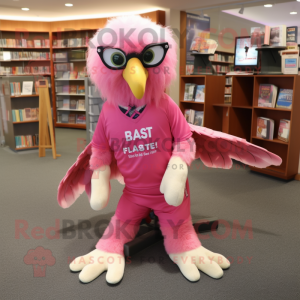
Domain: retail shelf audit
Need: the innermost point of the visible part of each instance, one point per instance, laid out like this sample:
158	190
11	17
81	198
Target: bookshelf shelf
25	48
24	96
68	79
22	60
276	140
62	48
71	125
23	122
242	107
70	109
272	108
26	148
221	62
222	105
194	102
67	94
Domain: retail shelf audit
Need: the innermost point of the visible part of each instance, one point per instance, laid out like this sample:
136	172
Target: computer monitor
245	56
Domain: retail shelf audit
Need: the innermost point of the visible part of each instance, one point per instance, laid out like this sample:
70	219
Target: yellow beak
136	76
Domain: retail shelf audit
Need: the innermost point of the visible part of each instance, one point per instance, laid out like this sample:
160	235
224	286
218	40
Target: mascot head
132	61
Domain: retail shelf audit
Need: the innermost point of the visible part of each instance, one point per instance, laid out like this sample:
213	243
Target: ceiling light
25	8
241	11
293	13
269	5
68	4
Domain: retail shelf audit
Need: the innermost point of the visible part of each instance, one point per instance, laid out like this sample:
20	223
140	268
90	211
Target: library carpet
264	252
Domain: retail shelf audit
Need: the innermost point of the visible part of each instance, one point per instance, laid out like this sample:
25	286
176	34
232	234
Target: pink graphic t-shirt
143	146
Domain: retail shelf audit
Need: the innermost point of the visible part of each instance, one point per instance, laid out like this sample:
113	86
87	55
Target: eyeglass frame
165	46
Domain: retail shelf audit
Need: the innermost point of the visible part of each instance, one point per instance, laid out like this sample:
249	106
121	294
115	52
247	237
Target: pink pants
135	205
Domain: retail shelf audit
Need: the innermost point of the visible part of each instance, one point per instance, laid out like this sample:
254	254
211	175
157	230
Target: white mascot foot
96	262
200	258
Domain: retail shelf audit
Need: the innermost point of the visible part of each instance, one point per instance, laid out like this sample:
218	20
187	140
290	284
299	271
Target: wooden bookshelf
22	128
240	119
214	89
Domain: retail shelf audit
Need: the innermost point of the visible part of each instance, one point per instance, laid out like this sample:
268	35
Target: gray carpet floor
265	263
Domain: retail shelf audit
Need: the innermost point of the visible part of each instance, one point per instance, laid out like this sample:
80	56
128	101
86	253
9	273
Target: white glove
174	180
100	188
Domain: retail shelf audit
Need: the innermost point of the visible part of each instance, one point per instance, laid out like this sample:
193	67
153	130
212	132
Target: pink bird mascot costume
143	140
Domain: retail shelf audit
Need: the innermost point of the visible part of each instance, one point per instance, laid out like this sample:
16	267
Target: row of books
24	141
27	88
65	56
24	43
25	55
70	89
71	104
71	74
75	42
194	92
228	89
268	96
63	67
228	80
222	57
68	118
26	114
265	129
227	99
194	117
24	70
279	35
219	68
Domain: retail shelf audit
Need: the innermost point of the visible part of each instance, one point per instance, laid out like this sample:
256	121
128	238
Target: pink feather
110	82
216	149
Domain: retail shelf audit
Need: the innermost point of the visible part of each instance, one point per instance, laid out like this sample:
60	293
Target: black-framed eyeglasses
116	59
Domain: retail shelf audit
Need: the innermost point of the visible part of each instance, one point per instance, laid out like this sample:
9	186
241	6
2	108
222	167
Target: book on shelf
278	35
267	95
292	34
290	61
24	55
228	80
265	128
26	114
73	89
199	93
80	119
73	104
65	118
202	45
227	89
15	88
72	42
24	43
194	117
285	98
284	130
81	90
257	36
24	141
227	99
65	89
189	91
72	119
66	103
222	57
81	104
73	75
60	57
27	87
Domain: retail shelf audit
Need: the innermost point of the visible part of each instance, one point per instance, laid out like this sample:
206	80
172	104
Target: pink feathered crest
131	34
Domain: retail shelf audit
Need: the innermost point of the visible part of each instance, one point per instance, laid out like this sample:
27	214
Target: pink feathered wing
216	149
78	178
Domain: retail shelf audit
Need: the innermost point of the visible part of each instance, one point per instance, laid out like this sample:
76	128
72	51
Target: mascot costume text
143	140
